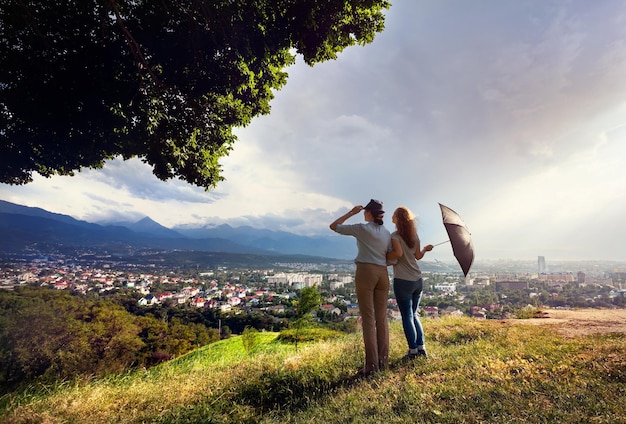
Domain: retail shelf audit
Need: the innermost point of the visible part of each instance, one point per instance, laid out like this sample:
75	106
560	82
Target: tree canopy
166	81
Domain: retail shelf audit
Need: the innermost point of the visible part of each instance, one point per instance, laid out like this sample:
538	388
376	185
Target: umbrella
460	238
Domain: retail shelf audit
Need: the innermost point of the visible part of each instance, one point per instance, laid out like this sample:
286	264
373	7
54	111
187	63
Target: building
337	281
446	287
541	264
296	279
557	277
431	311
277	280
451	310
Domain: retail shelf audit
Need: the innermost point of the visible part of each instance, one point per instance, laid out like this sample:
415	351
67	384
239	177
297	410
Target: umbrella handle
447	241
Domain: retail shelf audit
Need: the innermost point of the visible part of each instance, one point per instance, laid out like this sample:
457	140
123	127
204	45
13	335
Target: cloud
136	178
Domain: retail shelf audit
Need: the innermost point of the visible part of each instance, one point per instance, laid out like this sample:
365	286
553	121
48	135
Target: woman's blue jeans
408	295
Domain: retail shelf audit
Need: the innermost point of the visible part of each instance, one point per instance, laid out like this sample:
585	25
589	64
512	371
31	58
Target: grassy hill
478	371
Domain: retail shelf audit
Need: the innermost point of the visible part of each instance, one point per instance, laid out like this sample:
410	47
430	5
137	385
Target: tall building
541	262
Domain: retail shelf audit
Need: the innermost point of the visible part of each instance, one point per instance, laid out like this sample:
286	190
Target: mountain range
22	227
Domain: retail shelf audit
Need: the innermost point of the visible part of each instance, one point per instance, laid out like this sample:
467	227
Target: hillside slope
478	371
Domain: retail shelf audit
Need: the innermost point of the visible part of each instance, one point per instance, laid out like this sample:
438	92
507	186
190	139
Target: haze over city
511	113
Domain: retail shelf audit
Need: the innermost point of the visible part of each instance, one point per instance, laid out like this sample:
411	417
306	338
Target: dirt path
578	322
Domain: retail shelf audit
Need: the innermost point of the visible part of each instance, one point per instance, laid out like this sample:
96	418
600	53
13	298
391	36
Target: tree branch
135	48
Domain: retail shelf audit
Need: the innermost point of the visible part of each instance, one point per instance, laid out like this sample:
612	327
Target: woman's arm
343	218
396	250
419	254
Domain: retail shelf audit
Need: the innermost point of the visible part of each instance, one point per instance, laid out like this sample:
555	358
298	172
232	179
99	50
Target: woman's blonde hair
405	225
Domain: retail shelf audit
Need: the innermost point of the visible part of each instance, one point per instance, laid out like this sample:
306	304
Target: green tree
250	339
226	332
309	300
166	81
113	337
154	333
181	337
31	341
47	335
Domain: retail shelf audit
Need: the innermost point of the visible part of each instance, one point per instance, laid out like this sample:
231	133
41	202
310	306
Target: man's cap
374	206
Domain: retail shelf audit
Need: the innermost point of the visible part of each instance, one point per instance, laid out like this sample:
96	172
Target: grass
477	372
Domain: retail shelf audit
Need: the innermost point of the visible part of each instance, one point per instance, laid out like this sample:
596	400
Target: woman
371	280
407	278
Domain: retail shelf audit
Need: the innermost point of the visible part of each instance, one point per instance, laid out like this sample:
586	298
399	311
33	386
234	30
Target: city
493	290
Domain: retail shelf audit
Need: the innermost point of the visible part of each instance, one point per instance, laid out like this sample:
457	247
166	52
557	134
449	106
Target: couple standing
376	249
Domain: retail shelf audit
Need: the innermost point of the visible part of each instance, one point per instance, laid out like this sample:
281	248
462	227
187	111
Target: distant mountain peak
147	220
148	225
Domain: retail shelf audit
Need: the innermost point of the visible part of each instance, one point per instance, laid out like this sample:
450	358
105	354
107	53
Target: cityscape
494	289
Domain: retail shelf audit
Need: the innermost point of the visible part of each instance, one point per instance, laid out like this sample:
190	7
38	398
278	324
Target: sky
510	112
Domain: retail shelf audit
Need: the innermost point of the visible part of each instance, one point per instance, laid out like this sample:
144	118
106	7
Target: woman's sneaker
411	356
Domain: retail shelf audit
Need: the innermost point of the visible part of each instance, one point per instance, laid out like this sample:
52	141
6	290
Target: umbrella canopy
460	238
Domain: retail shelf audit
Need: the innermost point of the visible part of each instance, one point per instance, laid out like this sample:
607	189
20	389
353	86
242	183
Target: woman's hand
419	254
